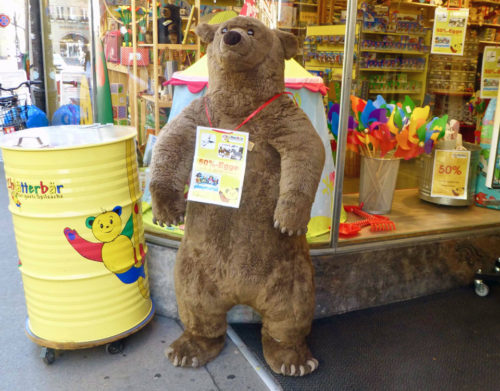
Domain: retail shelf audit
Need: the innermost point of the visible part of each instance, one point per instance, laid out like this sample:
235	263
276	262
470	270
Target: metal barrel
75	201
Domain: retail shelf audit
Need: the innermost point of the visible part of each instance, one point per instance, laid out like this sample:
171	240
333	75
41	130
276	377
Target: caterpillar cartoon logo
115	248
39	190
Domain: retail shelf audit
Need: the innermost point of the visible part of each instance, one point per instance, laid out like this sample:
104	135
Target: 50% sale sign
450	174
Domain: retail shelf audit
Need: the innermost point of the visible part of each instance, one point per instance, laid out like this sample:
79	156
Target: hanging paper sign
218	167
448	33
490	72
450	174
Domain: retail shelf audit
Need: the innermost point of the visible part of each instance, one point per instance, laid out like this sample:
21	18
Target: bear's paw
288	359
292	213
194	351
168	209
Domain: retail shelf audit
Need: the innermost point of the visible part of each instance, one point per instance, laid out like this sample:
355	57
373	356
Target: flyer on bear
219	165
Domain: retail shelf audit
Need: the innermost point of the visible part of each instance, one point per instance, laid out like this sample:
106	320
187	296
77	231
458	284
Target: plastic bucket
377	183
75	202
426	166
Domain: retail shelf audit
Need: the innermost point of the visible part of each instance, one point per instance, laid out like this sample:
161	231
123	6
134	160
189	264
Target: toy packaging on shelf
127	56
393	39
395	42
324	51
112	45
380	19
119	102
486	197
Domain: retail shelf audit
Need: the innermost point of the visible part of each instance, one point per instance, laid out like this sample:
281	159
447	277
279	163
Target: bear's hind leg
287	309
202	310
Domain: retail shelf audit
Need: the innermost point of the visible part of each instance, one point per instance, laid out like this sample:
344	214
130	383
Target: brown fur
236	256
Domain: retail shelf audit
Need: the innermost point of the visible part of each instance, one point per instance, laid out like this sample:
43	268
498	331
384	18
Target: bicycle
14	110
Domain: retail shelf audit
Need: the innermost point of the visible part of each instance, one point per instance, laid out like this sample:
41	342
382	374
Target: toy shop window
419	127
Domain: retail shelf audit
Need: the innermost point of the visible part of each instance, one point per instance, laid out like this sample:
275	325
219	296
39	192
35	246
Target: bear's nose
232	38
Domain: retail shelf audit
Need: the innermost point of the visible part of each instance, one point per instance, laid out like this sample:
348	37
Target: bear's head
107	226
244	44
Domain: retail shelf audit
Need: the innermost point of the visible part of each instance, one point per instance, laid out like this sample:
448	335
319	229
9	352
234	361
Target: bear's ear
89	222
206	32
289	43
118	210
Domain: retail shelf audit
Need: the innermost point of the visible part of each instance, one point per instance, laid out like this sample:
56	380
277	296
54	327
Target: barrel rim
89	344
130	129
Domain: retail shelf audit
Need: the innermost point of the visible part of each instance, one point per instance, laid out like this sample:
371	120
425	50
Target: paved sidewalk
142	366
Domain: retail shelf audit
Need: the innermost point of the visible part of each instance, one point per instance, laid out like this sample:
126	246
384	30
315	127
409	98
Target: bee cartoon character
115	248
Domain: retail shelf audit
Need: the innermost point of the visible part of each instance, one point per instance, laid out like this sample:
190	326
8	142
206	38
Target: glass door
66	35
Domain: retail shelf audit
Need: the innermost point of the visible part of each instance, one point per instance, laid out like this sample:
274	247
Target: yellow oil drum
75	201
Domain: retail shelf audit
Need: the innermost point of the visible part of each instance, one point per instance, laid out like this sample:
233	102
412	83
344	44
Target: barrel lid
66	137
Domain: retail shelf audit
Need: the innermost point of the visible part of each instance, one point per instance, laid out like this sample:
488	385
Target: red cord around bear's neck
251	115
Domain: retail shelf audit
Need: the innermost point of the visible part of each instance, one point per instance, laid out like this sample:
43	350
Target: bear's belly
118	255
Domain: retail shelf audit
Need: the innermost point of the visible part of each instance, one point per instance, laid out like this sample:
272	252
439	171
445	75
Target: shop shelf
416	4
394	51
161	102
323	65
395	92
393	33
485	25
305	4
447	92
496	43
170	46
118	68
485	2
291	28
391	70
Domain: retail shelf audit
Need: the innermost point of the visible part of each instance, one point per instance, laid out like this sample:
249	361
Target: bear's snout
232	38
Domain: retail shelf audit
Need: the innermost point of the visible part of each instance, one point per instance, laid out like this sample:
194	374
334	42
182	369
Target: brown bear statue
256	254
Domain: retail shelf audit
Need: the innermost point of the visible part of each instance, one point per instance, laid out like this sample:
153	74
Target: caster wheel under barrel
48	355
115	347
481	288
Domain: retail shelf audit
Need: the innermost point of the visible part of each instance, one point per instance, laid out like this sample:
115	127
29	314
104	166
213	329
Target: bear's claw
157	222
302	370
287	231
313	363
179	221
184	361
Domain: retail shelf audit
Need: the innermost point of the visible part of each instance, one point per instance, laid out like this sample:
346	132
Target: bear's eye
224	30
110	221
102	226
250	32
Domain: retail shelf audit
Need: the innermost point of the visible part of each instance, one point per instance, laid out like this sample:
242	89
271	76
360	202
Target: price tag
450	174
218	167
